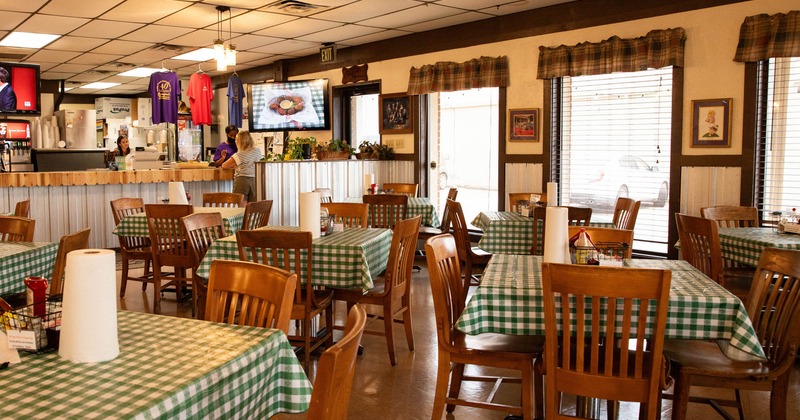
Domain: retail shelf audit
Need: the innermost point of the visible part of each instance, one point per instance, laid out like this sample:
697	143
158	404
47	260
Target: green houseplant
299	148
335	149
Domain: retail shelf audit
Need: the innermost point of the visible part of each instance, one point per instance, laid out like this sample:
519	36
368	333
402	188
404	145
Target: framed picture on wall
711	123
396	116
523	124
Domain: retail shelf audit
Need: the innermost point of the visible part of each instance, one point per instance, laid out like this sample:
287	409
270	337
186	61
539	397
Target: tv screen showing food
19	88
290	106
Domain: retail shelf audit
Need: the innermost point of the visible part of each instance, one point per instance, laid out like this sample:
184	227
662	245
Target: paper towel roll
89	308
177	194
369	179
552	194
556	237
309	213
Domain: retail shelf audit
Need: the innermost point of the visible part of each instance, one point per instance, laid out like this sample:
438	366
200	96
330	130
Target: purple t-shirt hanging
165	89
235	97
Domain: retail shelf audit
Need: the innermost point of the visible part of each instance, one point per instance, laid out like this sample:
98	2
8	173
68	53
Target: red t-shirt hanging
200	96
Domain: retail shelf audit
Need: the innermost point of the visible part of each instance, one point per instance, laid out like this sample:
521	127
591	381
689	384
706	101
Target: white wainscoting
703	186
523	177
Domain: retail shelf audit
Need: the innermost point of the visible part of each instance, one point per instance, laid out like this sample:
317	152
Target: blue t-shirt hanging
165	90
235	98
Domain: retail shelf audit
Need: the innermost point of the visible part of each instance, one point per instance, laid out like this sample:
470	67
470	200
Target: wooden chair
223	199
774	308
514	198
23	208
576	216
284	249
411	190
336	368
256	214
325	195
625	212
132	248
731	216
386	210
352	215
493	350
170	249
16	229
427	232
578	359
68	243
392	291
245	293
471	257
700	246
602	236
202	229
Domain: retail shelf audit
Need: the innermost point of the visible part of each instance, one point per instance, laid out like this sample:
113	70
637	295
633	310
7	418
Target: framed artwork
711	123
396	116
523	124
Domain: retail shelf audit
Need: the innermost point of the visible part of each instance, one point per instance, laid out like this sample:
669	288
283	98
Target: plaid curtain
764	36
659	48
446	76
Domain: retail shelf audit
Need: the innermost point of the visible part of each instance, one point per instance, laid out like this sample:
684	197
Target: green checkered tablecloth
509	301
507	232
417	206
136	225
744	245
167	368
22	259
347	259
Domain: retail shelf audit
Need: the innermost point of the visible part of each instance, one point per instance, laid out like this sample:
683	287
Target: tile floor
405	391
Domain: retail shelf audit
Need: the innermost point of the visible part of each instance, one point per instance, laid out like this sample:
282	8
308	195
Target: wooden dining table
136	224
506	232
417	206
744	245
23	259
347	259
167	367
509	301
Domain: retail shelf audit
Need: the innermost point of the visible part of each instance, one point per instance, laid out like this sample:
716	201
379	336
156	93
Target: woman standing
244	178
226	150
123	146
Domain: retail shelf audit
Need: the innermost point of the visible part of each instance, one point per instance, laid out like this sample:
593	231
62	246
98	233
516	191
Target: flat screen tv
23	79
289	106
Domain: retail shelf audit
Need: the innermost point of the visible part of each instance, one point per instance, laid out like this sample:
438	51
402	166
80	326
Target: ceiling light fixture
225	55
27	40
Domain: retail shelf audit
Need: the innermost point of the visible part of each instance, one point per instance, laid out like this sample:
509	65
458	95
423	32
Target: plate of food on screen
284	105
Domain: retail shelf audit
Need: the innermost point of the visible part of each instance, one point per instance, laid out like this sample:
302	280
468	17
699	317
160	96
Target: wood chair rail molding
65	179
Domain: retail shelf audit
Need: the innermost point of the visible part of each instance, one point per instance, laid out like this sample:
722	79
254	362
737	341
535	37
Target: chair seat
480	256
699	357
322	299
490	342
428	231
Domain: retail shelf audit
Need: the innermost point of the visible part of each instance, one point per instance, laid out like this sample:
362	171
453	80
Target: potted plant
335	149
368	150
299	148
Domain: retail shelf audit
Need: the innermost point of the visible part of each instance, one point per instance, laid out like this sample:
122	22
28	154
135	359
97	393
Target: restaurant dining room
358	209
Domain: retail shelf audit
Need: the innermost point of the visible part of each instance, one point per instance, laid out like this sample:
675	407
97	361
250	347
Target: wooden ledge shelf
76	178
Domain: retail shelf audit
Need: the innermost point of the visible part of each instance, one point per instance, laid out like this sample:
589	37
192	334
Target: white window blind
778	137
615	142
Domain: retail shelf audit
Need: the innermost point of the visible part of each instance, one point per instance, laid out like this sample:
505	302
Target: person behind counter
227	149
8	99
123	146
244	177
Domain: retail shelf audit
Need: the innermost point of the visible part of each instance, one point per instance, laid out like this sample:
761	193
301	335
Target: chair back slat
122	208
16	229
202	229
447	287
67	244
386	210
167	238
351	215
700	245
223	199
256	214
731	216
576	216
410	190
626	210
22	208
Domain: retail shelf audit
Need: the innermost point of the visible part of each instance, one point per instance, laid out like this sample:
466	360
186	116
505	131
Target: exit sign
327	53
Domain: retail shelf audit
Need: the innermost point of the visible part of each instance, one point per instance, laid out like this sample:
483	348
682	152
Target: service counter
65	202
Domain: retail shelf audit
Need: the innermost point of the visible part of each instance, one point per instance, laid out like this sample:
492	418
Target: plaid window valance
659	48
766	36
447	76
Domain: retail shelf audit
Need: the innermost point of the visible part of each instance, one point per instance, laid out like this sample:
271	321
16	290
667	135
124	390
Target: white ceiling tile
54	75
88	77
285	47
76	43
447	21
365	9
255	21
11	20
148	56
72	68
14	51
201	38
145	11
53	56
144	81
87	9
96	59
57	25
411	16
122	47
106	29
198	15
298	28
246	42
245	56
21	5
340	33
117	79
43	66
264	61
156	33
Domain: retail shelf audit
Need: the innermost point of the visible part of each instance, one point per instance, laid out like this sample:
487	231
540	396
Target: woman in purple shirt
227	149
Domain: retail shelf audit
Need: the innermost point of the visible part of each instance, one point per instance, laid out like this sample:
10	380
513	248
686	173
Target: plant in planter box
335	149
369	150
299	148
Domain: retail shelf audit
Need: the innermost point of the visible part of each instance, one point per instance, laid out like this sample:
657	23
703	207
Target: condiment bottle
37	294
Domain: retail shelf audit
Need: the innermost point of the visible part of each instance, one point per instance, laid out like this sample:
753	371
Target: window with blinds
614	141
778	136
